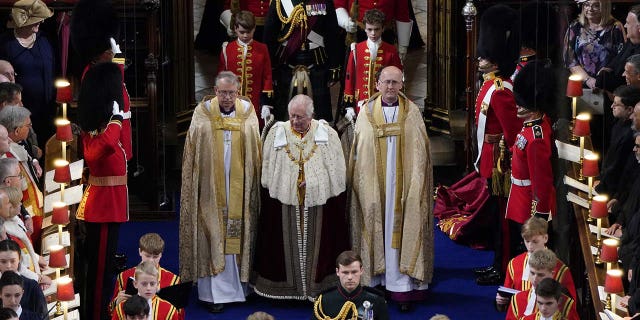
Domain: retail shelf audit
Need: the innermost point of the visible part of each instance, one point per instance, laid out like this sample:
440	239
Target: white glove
344	21
402	52
265	112
225	19
349	114
116	110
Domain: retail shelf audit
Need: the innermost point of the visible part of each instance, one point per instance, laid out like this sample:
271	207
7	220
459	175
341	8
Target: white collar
373	45
244	44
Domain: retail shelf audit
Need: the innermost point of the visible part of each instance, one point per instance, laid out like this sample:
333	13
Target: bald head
7	72
389	84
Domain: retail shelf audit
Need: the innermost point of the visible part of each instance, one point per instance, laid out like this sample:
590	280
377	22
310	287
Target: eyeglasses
227	94
20	176
30	124
393	83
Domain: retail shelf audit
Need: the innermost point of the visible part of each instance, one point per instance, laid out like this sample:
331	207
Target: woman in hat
32	57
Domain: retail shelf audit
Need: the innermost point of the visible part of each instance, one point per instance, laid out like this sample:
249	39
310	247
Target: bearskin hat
539	28
499	39
535	87
93	24
101	86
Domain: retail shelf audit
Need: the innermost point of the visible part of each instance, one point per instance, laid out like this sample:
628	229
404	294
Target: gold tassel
507	183
496	182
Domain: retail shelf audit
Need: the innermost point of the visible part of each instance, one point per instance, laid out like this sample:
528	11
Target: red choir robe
360	79
167	278
513	278
521	300
160	310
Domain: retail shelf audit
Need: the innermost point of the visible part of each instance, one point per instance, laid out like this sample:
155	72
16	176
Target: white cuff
225	18
343	17
126	115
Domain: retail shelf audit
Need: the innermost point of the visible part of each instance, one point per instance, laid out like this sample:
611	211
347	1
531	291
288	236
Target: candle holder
609	252
582	129
64	94
574	90
62	173
612	285
599	211
65	293
590	170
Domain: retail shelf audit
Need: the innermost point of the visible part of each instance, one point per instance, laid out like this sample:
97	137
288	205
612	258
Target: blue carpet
453	291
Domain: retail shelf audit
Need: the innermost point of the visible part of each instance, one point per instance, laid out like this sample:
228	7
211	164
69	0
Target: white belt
521	183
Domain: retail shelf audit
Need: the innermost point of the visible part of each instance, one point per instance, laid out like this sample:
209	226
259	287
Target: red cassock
538	316
360	79
160	310
253	69
105	197
513	278
392	9
531	173
495	101
167	279
521	300
259	8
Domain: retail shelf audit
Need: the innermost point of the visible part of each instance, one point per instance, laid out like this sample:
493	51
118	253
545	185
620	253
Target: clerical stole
234	204
384	129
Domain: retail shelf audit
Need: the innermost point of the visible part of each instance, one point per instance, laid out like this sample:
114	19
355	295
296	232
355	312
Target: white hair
302	99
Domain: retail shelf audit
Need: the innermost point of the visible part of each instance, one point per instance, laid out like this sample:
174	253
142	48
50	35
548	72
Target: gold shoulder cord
298	17
346	307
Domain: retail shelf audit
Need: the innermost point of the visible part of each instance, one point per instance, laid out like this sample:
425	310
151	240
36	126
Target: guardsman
532	191
395	11
250	61
350	299
496	120
259	9
366	59
537	22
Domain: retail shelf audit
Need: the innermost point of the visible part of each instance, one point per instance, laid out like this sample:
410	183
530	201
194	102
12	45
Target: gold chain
342	315
298	17
302	161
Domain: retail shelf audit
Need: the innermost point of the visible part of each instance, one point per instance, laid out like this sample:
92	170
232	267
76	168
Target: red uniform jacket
501	118
125	133
531	172
519	301
259	8
160	310
513	279
105	198
360	79
253	71
167	278
392	9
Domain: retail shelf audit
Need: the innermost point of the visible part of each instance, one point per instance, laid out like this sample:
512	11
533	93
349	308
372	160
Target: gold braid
298	17
342	315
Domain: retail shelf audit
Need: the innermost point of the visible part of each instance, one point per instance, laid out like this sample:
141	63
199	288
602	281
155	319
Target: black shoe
493	278
215	308
483	270
405	307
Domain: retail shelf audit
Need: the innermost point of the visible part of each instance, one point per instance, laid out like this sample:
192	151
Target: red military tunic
524	300
397	10
105	198
125	133
253	69
160	310
516	268
360	79
531	173
167	279
259	8
495	103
